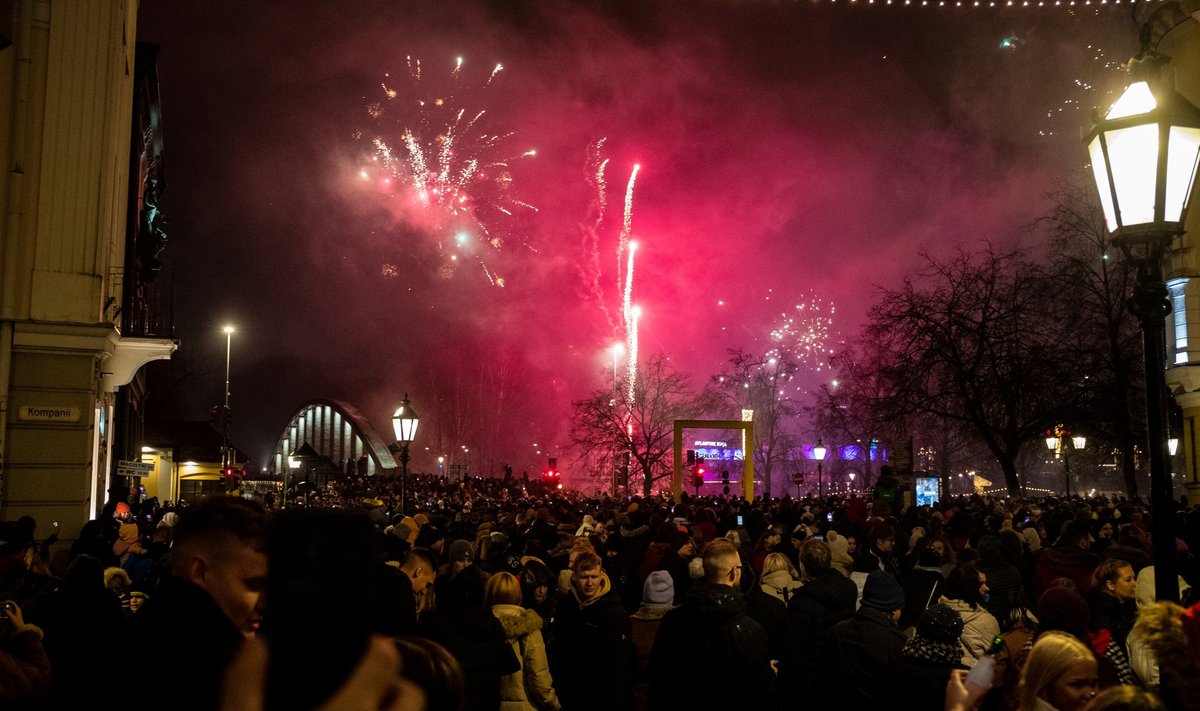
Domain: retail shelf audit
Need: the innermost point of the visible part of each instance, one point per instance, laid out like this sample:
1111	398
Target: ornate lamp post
404	424
1144	155
819	453
1056	443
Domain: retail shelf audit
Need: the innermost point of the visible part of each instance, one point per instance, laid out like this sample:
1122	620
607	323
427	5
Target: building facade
81	143
1176	29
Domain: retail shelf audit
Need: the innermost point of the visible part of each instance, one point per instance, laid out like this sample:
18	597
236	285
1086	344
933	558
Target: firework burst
802	335
445	174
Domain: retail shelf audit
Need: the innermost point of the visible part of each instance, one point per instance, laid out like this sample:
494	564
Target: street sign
128	467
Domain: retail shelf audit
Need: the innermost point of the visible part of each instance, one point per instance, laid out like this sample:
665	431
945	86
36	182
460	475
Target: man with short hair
401	590
826	598
864	647
210	601
708	652
592	658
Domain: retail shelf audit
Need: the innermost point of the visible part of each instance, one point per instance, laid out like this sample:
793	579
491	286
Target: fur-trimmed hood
517	621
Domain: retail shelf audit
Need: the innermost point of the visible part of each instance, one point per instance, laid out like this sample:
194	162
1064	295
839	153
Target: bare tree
608	426
978	344
762	384
1104	337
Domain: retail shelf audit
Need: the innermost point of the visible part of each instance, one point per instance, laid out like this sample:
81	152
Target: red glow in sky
786	149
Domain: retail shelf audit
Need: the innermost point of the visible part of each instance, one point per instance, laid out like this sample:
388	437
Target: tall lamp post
819	453
404	424
1056	443
1144	156
225	458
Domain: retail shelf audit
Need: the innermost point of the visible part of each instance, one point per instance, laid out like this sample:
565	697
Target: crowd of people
501	594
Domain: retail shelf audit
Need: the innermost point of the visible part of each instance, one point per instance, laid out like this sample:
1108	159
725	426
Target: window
1178	333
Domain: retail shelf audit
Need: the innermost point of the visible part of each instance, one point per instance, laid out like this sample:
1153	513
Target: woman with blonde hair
779	577
530	688
1060	674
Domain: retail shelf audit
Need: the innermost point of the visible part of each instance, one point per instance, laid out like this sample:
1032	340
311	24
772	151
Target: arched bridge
338	438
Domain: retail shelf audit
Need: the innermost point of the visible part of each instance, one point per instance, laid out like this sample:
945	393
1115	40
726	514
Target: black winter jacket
710	654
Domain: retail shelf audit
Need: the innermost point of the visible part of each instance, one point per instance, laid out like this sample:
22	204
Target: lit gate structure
338	432
746	426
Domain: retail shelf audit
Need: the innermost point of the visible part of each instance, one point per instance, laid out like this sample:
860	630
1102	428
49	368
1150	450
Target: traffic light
691	457
697	477
229	471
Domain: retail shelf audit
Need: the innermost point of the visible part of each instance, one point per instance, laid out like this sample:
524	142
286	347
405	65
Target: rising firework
447	175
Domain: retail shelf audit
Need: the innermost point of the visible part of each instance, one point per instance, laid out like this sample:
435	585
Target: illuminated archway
336	431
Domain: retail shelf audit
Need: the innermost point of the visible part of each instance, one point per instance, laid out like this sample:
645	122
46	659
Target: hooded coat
592	656
531	687
979	629
862	652
710	654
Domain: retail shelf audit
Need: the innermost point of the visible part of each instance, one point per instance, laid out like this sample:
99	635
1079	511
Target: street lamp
1144	156
225	458
819	453
851	480
404	424
1055	443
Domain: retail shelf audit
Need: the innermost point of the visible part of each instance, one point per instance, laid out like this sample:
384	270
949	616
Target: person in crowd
464	625
530	688
1006	587
208	604
1164	650
118	582
675	560
24	666
769	541
1125	698
779	577
658	596
922	586
537	586
1112	599
592	657
927	659
826	598
883	550
77	618
708	652
965	592
1060	674
766	604
1102	536
1070	558
434	671
409	585
865	647
839	550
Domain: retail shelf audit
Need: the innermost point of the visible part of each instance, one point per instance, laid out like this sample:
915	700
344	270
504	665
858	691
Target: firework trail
627	225
590	268
452	178
635	316
630	314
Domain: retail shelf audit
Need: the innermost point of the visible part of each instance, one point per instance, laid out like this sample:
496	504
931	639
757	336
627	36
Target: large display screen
927	491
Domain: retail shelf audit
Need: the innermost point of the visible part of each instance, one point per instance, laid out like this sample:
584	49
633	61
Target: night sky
790	153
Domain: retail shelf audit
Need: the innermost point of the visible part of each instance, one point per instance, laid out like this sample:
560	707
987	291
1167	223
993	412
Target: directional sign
126	467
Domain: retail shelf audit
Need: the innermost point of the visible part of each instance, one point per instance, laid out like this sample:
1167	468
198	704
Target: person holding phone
24	666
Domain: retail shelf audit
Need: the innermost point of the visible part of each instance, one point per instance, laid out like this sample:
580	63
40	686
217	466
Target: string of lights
989	3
